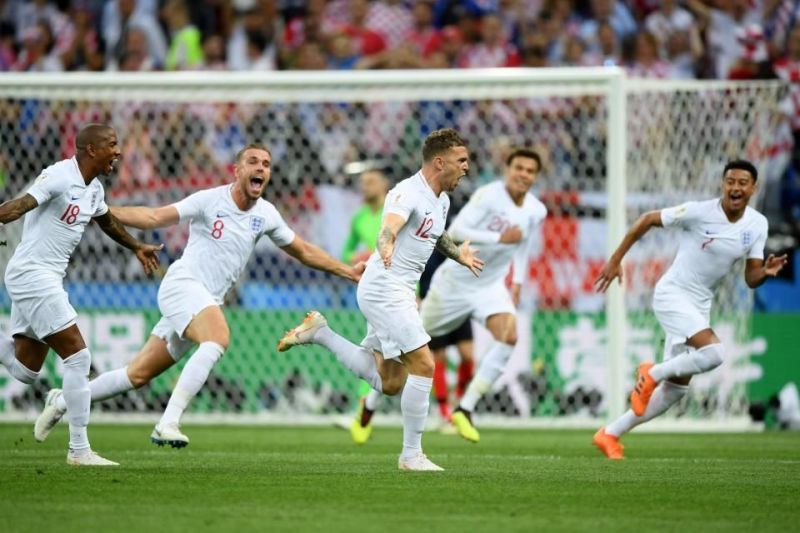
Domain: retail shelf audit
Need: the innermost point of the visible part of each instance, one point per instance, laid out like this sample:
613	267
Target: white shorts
680	317
393	323
180	299
447	306
40	311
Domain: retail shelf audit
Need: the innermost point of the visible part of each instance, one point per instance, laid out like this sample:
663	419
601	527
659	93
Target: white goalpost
612	147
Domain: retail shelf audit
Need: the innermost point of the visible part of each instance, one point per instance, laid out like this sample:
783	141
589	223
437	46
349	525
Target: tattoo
3	243
447	247
385	237
112	227
14	209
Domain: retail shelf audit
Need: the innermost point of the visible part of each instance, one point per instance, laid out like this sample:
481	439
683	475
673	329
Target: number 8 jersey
222	237
426	215
51	232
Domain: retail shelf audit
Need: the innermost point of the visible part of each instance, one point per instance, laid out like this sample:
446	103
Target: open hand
773	265
147	254
611	270
469	258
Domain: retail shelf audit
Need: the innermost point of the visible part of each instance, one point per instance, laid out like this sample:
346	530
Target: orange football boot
608	444
643	389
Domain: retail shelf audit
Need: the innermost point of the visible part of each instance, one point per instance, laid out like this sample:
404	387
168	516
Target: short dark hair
439	142
256	146
525	152
741	164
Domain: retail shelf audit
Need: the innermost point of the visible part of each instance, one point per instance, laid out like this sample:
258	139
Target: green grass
309	479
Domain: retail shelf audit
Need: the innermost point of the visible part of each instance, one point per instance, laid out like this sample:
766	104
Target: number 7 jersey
222	237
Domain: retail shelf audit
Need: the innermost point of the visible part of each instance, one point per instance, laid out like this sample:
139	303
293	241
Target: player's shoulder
534	205
64	169
756	217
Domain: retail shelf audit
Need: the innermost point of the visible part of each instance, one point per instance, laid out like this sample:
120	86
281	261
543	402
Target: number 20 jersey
51	232
425	215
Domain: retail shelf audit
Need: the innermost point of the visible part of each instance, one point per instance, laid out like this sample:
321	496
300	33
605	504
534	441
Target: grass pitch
314	479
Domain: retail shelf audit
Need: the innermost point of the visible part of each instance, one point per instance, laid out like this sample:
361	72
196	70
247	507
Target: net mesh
178	141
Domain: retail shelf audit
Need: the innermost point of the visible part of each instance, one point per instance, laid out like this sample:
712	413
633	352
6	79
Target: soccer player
714	234
366	222
226	223
61	202
502	217
394	355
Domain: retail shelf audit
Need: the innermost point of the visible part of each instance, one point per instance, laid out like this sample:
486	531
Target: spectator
646	63
84	52
365	40
309	56
214	53
608	50
423	35
185	49
260	52
134	53
254	26
38	50
390	18
613	12
493	50
721	26
8	52
753	63
669	18
119	16
342	54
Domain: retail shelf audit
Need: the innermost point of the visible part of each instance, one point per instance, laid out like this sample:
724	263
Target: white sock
414	403
373	400
192	378
104	386
357	359
490	369
689	363
77	397
665	396
8	358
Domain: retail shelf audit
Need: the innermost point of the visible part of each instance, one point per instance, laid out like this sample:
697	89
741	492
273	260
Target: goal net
595	132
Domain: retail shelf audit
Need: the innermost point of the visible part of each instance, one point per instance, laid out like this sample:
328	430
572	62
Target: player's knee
510	338
139	377
710	357
392	387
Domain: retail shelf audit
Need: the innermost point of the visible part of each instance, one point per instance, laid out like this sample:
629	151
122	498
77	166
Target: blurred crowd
723	39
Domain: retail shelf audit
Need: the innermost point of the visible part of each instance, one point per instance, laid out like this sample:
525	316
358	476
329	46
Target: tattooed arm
14	209
461	254
147	254
392	223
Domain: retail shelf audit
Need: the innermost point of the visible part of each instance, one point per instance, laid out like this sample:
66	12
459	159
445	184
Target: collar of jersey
427	185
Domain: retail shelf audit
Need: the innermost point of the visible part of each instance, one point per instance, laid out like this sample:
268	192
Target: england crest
747	238
256	224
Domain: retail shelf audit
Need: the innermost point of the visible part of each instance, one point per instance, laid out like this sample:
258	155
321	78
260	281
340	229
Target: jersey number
216	230
423	231
71	213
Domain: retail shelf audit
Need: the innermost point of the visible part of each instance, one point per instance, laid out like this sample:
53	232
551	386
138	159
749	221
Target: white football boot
169	434
304	333
418	463
87	458
49	416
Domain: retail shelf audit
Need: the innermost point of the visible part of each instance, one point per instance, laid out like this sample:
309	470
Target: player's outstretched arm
147	254
613	268
146	217
390	227
756	271
461	254
315	257
14	209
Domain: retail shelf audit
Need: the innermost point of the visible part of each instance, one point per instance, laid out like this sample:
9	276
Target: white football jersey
425	215
709	245
222	237
51	232
489	212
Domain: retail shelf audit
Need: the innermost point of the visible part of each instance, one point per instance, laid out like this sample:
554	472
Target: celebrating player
501	217
61	202
394	355
226	223
714	234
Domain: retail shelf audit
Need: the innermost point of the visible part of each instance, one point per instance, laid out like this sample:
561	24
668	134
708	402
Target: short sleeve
681	215
400	202
278	230
47	186
756	250
192	206
102	207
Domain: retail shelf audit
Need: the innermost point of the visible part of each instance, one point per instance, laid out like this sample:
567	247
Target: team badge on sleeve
256	224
